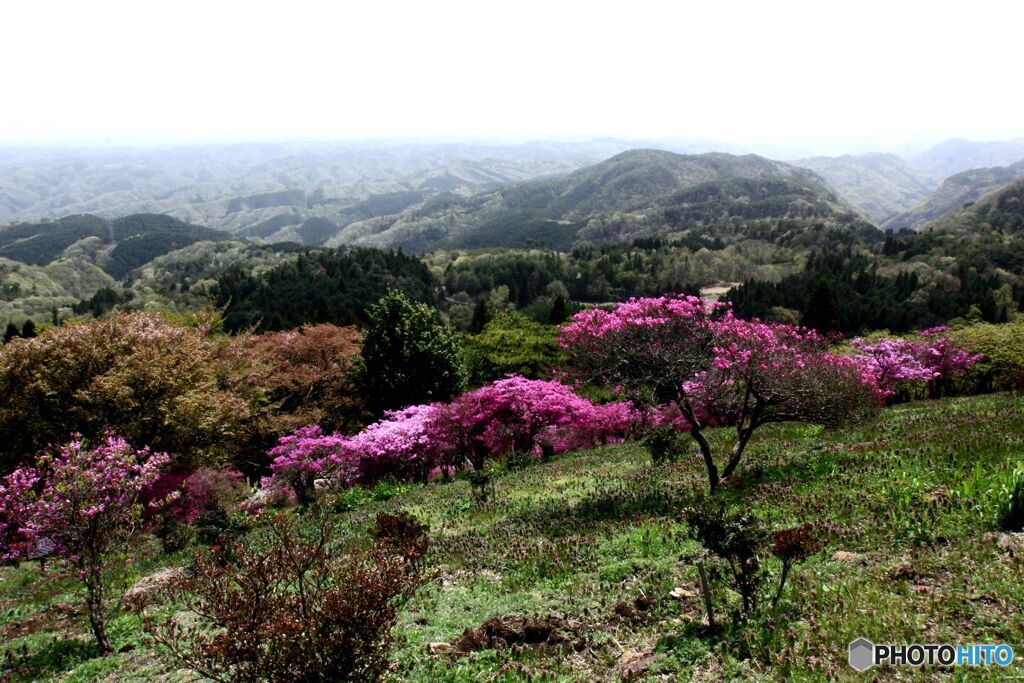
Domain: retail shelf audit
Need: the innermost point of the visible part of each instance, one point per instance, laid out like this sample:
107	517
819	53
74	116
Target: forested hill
999	213
639	193
117	245
968	264
955	192
880	185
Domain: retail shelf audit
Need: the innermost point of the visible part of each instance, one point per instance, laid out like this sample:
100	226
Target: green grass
917	492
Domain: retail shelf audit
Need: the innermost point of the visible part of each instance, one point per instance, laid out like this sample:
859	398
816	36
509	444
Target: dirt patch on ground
636	609
45	620
552	631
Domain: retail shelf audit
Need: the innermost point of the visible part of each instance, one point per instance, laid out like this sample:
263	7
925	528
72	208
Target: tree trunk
782	583
742	438
94	602
705	589
705	447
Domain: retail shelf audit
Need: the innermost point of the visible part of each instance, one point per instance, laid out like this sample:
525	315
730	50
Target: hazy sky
824	74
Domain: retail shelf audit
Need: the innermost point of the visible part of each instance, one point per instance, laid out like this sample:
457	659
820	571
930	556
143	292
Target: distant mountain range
422	197
880	185
704	218
954	156
639	193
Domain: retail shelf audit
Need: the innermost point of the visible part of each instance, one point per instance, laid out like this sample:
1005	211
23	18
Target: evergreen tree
821	312
559	311
481	316
409	355
11	332
28	330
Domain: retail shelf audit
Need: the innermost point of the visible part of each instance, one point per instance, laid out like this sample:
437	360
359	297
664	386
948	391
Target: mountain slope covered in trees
998	214
638	193
954	193
880	185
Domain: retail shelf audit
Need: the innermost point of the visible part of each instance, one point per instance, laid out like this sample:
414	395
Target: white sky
821	74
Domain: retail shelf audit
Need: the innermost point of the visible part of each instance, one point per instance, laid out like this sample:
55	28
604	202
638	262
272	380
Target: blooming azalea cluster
78	496
184	498
304	456
697	355
932	359
514	414
406	444
715	369
595	323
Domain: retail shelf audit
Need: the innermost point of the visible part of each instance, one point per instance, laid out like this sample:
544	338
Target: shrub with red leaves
403	532
295	608
793	546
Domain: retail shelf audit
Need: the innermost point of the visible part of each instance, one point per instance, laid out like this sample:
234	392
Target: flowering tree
85	501
717	369
891	361
17	538
945	358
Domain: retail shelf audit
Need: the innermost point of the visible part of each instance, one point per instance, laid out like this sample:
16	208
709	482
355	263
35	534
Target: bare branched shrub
295	608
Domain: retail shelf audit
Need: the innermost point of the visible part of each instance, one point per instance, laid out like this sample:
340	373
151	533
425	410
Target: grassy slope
591	529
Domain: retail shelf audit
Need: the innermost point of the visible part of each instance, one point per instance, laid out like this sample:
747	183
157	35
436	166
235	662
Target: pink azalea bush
533	417
933	360
513	414
84	500
406	444
304	456
716	369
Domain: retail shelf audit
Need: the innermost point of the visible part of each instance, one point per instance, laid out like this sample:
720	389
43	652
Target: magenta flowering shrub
405	444
933	360
716	369
17	536
209	489
515	414
523	415
304	456
84	500
891	361
606	423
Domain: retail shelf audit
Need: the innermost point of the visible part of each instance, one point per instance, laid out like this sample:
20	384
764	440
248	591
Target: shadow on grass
51	656
646	495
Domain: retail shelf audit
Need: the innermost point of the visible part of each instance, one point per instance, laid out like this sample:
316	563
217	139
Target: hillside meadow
593	544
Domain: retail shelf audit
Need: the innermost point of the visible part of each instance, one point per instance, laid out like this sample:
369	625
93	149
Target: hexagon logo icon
862	654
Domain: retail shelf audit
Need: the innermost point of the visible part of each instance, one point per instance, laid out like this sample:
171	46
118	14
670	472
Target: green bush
664	443
511	344
1002	346
1010	513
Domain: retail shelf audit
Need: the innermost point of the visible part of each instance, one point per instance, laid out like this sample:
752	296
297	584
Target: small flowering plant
82	500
